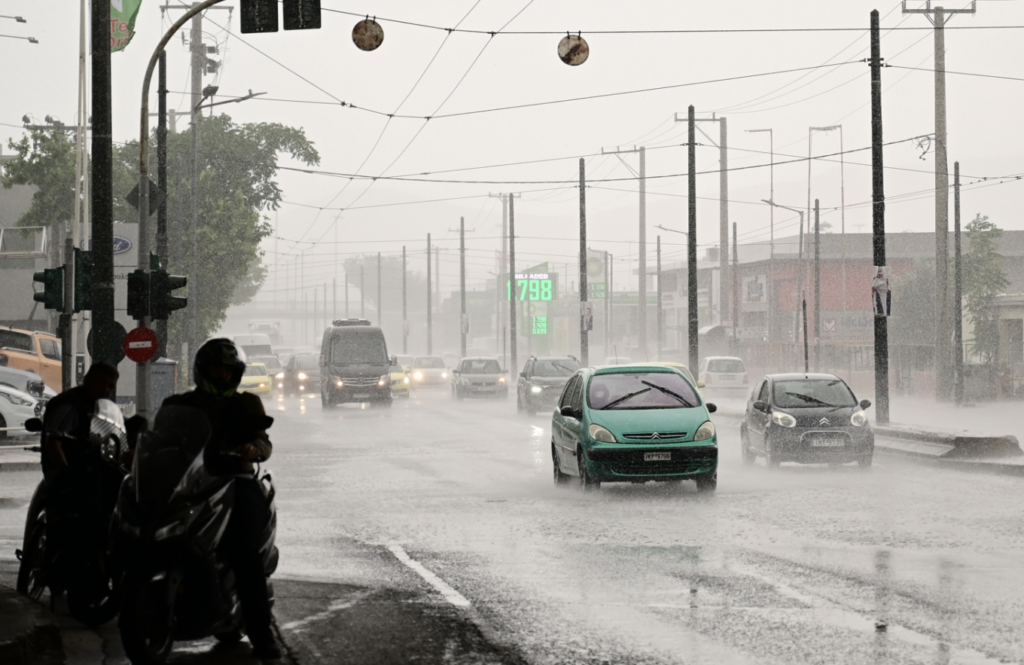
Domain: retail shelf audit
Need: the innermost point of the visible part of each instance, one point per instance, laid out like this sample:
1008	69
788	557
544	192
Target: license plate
362	396
827	443
657	457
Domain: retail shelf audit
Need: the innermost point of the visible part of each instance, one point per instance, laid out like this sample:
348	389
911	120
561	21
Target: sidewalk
16	458
28	632
987	418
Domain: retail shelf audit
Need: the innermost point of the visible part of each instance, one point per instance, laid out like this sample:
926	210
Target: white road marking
335	606
450	594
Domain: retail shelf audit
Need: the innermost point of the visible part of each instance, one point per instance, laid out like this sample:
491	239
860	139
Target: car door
572	424
523	381
558	429
49	361
758	420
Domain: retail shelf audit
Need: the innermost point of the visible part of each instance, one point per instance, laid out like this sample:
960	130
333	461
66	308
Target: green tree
46	159
983	279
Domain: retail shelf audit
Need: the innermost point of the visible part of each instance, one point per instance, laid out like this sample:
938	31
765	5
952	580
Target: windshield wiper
808	398
568	369
668	392
625	397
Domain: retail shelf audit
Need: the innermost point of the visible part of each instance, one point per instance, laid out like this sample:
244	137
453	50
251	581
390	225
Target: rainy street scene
474	333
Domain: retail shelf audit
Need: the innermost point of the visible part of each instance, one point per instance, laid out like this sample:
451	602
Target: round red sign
140	344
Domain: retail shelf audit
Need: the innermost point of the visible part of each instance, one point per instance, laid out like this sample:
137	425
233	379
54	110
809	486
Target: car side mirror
761	405
394	360
711	407
568	411
700	384
34	425
522	374
865	403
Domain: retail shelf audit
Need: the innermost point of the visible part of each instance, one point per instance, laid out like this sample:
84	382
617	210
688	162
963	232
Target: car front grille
655	436
360	381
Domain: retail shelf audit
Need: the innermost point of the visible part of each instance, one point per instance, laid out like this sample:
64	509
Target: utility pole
938	16
958	332
800	267
723	208
735	288
195	43
334	298
161	181
661	314
362	299
380	295
463	323
769	287
817	290
503	261
607	306
105	341
430	306
878	222
584	336
405	304
691	241
512	333
611	301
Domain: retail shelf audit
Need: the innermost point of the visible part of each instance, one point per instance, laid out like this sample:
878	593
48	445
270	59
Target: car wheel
708	483
865	462
748	455
587	483
561	479
771	458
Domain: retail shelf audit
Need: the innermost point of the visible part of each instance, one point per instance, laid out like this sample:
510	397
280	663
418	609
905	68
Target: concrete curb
28	632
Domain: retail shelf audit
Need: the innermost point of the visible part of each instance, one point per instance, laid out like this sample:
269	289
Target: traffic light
259	16
85	272
52	295
163	302
138	294
301	14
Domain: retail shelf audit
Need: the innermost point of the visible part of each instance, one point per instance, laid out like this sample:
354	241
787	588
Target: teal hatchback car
634	424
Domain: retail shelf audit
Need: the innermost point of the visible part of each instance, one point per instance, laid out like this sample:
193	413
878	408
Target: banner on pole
881	296
122	22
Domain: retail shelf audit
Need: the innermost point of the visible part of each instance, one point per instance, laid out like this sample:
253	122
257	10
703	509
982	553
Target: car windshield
726	366
271	362
801	393
429	362
480	367
641	390
358	347
15	341
307	362
555	367
255	370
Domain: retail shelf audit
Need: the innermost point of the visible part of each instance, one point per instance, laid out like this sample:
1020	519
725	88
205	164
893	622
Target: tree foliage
983	279
46	159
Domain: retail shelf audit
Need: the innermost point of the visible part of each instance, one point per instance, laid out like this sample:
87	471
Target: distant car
357	368
541	382
26	382
301	375
257	380
405	362
618	360
806	418
479	377
400	386
633	424
272	363
15	408
723	373
429	371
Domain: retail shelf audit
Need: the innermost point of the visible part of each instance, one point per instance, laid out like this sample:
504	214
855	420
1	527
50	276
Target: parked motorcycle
65	544
170	520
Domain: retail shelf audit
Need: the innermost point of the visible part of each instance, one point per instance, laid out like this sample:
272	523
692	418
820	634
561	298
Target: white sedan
15	408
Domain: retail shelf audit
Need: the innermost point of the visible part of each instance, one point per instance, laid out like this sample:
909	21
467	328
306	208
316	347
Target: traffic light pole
584	334
102	42
66	329
161	181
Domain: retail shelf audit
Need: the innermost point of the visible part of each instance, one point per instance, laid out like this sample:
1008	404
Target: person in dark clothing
238	425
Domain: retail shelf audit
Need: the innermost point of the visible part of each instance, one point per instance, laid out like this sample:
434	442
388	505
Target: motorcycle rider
238	428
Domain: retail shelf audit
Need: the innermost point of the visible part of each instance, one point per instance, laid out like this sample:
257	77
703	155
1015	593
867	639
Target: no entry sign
140	345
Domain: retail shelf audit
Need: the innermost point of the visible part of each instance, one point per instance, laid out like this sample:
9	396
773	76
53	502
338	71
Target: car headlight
501	379
406	379
263	385
598	433
783	419
339	383
705	432
859	419
302	376
14	399
280	375
444	375
536	389
418	376
384	380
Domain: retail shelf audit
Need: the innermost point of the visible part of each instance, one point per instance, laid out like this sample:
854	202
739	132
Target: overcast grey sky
474	72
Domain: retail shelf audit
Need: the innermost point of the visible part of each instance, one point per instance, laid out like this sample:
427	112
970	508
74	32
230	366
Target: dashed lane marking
335	606
450	594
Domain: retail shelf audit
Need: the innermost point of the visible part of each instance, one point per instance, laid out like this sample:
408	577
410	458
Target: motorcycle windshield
167	453
107	430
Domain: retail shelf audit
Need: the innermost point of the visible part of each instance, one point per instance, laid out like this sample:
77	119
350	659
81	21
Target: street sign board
140	345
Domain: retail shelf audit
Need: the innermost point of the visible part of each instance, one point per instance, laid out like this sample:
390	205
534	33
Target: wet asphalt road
432	533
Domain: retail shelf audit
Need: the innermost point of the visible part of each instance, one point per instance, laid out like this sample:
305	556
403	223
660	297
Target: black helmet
219	351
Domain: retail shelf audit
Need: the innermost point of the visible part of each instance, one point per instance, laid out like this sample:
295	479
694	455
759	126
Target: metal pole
803	306
334	299
430	322
405	305
380	296
691	241
661	314
513	338
642	255
735	289
462	287
943	334
362	291
958	333
161	182
723	218
584	335
799	281
195	45
878	222
607	307
817	290
611	303
65	328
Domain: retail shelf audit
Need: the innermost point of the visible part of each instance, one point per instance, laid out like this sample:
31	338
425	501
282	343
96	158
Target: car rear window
555	367
255	370
427	362
16	341
641	390
481	367
812	393
726	366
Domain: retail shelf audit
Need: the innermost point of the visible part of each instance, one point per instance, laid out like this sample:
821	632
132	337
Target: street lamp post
800	266
771	227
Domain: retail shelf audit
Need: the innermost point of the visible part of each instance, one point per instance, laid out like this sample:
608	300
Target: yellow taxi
400	381
257	380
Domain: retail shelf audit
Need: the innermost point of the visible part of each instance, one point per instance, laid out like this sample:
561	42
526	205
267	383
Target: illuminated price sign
533	286
540	325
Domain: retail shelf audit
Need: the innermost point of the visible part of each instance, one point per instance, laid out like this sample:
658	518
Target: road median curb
27	630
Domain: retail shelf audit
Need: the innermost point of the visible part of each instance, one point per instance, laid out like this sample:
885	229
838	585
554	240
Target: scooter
68	549
169	524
